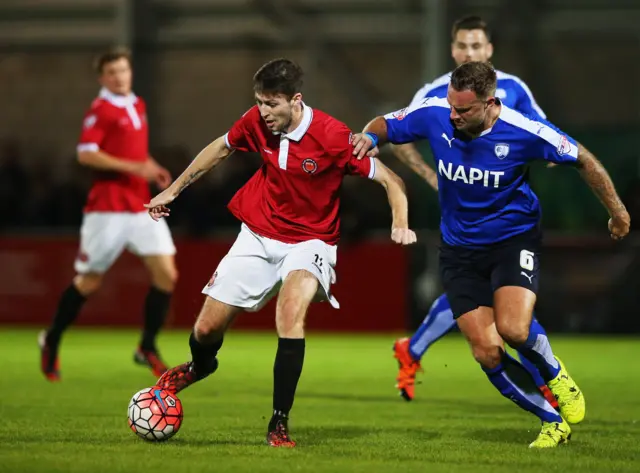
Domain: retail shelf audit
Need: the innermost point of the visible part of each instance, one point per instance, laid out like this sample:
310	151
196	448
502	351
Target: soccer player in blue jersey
490	228
470	41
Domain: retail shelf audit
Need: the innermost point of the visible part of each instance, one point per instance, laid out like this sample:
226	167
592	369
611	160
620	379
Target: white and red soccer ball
155	414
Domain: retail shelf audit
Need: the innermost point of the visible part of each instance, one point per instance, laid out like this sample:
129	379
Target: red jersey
117	125
295	195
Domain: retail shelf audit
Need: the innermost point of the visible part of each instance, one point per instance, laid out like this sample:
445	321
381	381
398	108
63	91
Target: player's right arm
403	126
212	155
89	153
105	162
216	152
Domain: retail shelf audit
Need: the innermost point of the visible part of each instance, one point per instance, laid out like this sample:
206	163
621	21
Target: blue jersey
511	90
483	185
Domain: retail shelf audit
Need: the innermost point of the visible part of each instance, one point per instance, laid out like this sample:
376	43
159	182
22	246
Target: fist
403	236
619	225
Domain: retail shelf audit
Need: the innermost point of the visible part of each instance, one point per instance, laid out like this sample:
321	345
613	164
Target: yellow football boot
569	396
552	434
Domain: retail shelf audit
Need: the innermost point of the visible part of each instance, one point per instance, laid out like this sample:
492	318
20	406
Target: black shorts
470	276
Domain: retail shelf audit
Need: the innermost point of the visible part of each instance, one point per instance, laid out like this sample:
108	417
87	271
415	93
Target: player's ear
489	51
296	99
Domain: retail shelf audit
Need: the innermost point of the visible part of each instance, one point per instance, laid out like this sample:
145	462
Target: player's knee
206	329
488	356
88	283
213	320
515	334
166	279
290	317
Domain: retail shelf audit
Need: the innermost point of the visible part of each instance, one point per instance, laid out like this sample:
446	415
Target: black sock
286	373
204	356
69	306
156	307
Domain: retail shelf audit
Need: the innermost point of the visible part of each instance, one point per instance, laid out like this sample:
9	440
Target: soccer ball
155	414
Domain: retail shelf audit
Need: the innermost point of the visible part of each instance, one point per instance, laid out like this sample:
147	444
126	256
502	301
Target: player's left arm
556	147
596	176
397	196
372	168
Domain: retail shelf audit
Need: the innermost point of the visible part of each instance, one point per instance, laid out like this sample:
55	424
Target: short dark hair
111	55
279	76
470	22
479	77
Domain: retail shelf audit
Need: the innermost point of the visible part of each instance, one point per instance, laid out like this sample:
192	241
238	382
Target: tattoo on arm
194	176
412	158
597	177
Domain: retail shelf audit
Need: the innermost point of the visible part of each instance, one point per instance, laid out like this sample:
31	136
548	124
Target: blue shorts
470	276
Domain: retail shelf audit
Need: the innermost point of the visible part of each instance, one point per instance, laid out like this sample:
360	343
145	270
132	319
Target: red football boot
408	368
49	361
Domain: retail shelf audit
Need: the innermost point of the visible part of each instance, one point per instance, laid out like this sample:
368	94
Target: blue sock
538	351
435	325
515	383
530	367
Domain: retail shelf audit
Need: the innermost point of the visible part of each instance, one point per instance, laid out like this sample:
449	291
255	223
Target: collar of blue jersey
121	101
301	129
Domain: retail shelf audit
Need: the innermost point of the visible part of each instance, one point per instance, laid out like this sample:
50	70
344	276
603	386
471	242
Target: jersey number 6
526	260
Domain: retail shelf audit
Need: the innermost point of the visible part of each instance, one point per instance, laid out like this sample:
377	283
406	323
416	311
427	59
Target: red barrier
372	286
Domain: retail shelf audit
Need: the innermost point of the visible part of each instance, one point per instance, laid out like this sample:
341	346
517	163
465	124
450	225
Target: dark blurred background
193	63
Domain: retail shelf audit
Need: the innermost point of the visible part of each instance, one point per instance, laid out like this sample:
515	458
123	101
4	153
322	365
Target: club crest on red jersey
309	166
213	279
90	121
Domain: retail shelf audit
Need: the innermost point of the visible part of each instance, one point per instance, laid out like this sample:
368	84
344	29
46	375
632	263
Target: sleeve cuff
372	169
226	141
87	147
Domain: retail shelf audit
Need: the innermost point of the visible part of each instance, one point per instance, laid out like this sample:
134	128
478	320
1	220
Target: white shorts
105	235
253	270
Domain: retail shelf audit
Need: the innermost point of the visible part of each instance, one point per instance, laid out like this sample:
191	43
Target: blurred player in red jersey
290	228
114	144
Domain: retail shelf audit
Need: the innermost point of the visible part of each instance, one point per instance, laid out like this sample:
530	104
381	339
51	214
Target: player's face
471	45
116	76
468	112
277	110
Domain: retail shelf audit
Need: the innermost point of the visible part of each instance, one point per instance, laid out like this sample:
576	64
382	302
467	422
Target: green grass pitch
347	416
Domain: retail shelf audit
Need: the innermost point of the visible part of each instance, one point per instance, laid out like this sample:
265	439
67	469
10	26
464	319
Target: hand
158	205
148	170
362	146
163	178
619	224
552	165
403	236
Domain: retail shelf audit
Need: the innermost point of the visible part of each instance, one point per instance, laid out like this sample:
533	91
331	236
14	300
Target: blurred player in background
490	226
290	228
114	144
470	41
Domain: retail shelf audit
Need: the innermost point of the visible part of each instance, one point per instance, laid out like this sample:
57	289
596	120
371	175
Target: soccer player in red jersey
114	144
290	228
